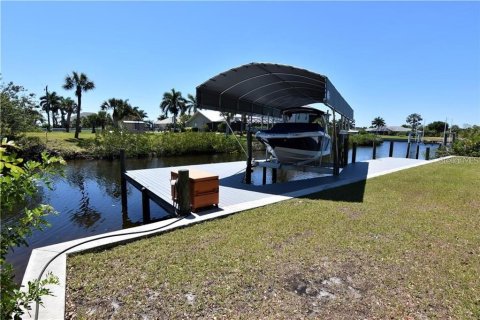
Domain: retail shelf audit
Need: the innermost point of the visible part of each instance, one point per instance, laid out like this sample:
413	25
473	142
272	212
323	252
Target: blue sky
387	59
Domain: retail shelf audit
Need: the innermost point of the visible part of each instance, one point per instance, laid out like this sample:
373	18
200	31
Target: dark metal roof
267	89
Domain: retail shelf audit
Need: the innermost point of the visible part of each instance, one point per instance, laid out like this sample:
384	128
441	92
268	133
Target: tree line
414	120
21	112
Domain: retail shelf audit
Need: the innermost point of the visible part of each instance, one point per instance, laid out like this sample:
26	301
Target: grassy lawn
62	141
406	246
405	138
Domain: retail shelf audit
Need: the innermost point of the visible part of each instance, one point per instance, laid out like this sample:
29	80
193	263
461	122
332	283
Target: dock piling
123	181
408	150
417	151
427	154
374	155
354	152
345	151
248	172
274	175
264	176
390	152
145	205
183	189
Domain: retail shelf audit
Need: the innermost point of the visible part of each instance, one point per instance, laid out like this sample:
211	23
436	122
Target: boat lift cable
228	125
95	239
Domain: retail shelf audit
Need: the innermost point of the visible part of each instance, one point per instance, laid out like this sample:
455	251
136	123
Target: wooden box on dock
203	188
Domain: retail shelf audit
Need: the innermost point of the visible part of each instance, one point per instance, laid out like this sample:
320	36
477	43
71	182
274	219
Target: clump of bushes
108	145
468	145
365	139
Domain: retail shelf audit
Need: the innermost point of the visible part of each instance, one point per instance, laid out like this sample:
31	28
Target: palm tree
81	83
414	120
48	102
68	106
174	103
378	122
102	119
92	120
119	109
139	113
191	103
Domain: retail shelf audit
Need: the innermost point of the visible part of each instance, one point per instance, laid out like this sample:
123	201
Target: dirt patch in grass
409	250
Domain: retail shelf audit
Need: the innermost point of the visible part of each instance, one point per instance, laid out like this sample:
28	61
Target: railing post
408	150
123	181
354	152
390	152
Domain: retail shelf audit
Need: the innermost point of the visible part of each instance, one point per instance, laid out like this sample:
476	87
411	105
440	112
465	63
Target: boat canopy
268	89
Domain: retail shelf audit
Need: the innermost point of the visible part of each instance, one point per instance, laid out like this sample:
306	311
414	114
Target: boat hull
296	147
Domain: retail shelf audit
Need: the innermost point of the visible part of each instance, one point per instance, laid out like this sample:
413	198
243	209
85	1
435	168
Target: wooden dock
155	183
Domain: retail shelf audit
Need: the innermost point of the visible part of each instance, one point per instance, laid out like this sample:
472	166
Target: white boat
300	139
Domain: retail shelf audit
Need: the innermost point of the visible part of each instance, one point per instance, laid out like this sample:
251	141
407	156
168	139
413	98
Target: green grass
63	142
406	246
405	138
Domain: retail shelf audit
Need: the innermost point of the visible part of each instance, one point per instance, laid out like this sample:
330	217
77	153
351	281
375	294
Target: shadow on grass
353	192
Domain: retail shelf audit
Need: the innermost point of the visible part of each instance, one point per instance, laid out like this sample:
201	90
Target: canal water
88	199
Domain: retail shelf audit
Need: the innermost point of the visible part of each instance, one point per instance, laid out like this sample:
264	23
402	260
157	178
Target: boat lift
267	89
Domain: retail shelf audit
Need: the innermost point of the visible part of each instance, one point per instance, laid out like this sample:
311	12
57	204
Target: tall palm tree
80	83
68	106
191	103
378	122
174	103
50	101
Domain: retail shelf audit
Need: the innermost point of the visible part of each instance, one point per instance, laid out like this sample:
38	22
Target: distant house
134	126
161	125
387	130
209	118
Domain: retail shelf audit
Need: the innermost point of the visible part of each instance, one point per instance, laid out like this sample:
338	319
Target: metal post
248	172
427	154
354	152
274	175
264	176
336	170
345	151
408	150
417	151
374	155
145	205
123	181
183	189
390	152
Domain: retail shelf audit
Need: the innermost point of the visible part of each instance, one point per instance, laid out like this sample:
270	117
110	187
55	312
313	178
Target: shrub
365	139
18	182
